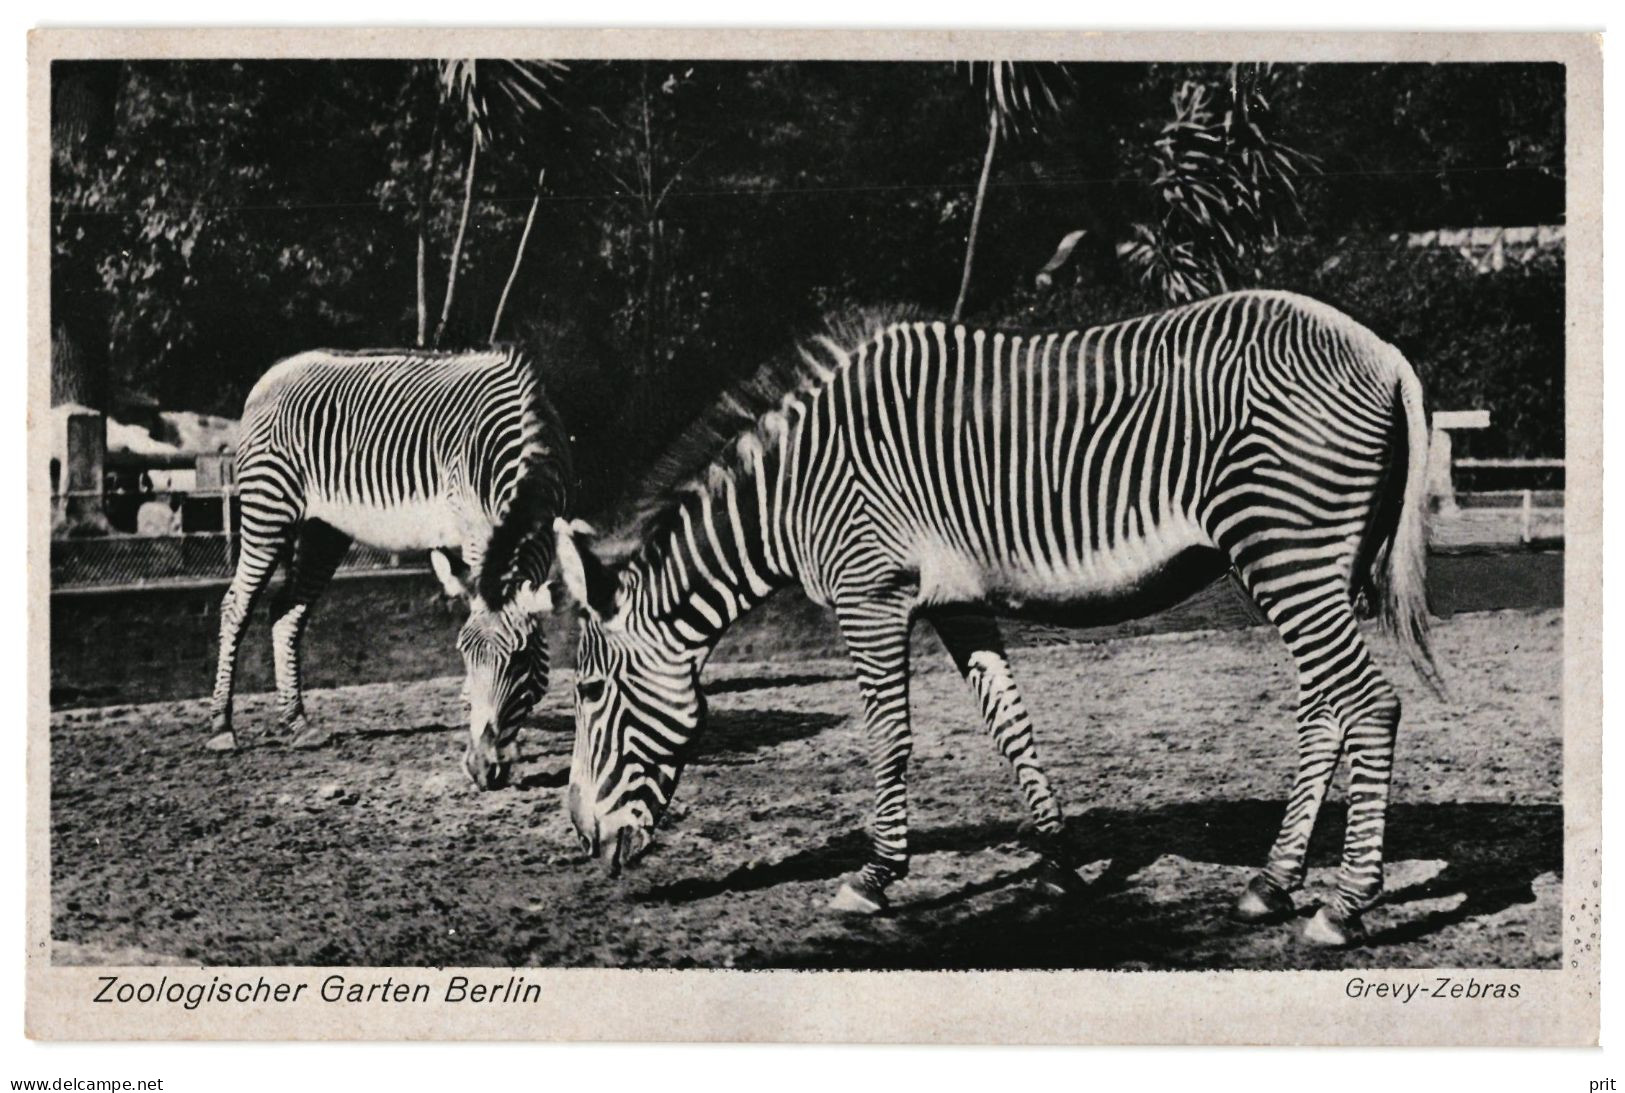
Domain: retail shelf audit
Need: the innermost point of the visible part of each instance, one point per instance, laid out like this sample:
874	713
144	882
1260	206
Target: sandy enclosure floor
1173	755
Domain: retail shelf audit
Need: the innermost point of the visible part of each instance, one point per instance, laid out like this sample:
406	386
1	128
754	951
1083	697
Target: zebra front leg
876	633
320	549
1320	744
973	641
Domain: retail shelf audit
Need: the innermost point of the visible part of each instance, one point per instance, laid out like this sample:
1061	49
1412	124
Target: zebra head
638	704
504	652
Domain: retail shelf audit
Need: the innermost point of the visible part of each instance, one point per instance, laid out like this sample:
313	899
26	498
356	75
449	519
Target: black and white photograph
965	515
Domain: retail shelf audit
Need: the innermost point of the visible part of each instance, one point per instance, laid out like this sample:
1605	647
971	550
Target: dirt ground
1173	755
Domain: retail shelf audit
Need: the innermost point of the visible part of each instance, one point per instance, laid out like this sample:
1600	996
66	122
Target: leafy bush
211	216
1479	340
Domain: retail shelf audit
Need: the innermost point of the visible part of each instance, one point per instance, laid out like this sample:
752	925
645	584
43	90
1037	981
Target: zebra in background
915	469
403	450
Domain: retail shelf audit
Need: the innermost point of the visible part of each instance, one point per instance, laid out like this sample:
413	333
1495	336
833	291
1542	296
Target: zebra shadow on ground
741	684
1493	853
734	736
730	738
727	732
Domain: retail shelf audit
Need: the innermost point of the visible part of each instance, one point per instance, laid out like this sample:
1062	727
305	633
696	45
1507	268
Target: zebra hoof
1334	930
1057	880
858	897
311	738
222	741
1264	901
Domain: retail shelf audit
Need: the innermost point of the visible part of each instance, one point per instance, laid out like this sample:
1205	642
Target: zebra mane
710	444
540	491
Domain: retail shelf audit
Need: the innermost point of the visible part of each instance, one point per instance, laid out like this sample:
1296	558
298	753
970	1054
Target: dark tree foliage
209	217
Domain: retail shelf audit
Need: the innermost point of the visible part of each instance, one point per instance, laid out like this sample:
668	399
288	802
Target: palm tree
1017	94
489	94
518	256
1222	183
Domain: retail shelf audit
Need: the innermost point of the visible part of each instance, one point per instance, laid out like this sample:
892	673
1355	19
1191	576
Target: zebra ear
534	599
452	581
586	580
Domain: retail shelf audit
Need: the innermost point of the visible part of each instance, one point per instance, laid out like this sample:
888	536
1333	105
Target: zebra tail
1404	605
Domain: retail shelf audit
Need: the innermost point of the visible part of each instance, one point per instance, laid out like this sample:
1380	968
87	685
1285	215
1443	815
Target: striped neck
521	469
717	554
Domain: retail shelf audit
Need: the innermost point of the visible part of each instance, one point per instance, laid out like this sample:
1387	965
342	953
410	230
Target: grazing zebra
404	450
1082	476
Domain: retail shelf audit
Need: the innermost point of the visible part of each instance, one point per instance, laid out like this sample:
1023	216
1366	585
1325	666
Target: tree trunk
457	244
651	224
84	111
976	212
425	196
650	263
423	289
519	256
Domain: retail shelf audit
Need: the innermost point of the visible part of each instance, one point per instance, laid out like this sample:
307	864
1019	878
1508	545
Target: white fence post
82	481
1441	480
218	471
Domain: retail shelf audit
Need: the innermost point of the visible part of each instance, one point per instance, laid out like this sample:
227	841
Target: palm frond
1222	180
493	92
1018	93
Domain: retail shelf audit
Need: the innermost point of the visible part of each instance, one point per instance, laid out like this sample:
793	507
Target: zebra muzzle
629	841
487	765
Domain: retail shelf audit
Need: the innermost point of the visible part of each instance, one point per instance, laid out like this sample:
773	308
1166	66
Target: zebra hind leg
1346	705
320	549
973	641
876	632
1320	744
262	546
1370	714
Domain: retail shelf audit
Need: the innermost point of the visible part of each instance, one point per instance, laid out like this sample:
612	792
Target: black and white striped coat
950	473
405	450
